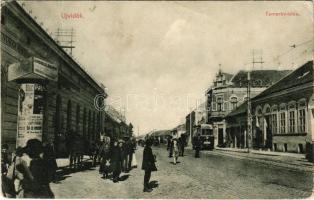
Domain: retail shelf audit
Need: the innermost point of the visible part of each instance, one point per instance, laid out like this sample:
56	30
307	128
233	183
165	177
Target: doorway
220	137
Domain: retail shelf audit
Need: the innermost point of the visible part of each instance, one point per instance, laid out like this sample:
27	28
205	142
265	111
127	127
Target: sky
158	58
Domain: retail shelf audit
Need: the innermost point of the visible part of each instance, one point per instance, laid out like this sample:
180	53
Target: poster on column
30	113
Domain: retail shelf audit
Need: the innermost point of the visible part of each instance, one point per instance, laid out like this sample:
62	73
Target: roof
302	75
179	127
161	132
15	8
114	114
242	109
260	78
227	76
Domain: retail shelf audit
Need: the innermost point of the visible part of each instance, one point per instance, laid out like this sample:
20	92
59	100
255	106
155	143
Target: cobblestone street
211	176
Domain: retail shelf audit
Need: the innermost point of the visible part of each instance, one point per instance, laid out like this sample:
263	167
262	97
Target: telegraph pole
65	38
249	105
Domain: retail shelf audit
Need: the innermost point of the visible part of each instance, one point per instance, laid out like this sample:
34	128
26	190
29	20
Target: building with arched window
226	94
284	113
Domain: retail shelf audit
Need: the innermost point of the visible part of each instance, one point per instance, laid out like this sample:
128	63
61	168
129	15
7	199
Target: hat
33	147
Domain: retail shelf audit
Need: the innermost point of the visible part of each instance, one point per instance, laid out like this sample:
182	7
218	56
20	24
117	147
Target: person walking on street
17	176
50	159
175	151
131	151
39	187
116	159
104	154
124	154
148	164
170	146
182	144
197	146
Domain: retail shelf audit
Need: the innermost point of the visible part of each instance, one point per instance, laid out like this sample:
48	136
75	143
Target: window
219	104
234	102
274	123
282	122
301	116
214	107
291	125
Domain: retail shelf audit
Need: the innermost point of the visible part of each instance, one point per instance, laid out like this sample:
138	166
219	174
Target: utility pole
249	105
65	38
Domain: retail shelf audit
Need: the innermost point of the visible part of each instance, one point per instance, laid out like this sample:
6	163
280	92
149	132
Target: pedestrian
175	151
5	163
124	154
21	173
197	146
70	140
50	158
182	144
39	187
115	162
130	151
148	164
170	145
16	176
104	154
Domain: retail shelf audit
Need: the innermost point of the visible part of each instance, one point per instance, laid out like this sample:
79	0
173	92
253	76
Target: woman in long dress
116	161
175	151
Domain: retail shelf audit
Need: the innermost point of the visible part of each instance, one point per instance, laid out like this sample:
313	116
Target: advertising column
31	74
30	113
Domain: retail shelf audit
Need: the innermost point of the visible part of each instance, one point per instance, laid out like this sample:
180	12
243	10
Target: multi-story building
45	93
229	91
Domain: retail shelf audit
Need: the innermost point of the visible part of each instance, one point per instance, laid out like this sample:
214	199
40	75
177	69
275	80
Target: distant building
115	124
230	91
189	124
178	130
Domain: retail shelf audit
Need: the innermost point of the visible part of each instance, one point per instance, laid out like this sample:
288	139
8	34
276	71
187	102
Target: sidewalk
261	152
292	161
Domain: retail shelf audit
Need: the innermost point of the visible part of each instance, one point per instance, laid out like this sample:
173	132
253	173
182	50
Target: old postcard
157	99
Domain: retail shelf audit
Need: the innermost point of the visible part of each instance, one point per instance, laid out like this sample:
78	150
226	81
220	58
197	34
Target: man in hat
197	146
148	164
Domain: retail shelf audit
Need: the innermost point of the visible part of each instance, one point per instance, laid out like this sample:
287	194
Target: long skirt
134	162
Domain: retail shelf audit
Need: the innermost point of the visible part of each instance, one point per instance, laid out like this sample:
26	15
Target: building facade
58	94
189	126
115	124
284	113
230	91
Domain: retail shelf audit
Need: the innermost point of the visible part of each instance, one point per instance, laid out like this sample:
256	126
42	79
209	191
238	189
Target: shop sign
30	113
19	70
45	69
33	68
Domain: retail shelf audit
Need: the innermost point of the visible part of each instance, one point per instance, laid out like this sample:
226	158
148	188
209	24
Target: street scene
234	178
157	100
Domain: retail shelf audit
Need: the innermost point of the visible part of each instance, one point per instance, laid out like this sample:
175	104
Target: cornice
20	13
305	86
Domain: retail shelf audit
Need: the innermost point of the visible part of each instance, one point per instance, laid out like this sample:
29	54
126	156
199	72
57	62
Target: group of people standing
176	146
29	173
116	157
